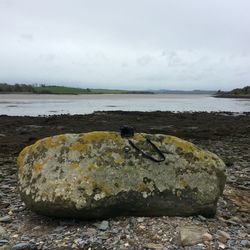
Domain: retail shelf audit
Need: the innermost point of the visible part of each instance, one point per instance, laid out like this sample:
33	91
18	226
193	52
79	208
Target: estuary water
34	105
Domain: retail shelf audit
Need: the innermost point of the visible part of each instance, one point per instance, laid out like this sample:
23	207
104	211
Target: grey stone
5	218
104	225
140	219
59	229
90	232
24	246
154	246
89	176
196	247
5	247
202	218
3	233
245	243
191	235
4	242
223	236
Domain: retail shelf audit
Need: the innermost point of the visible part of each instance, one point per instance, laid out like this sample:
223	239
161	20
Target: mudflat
226	134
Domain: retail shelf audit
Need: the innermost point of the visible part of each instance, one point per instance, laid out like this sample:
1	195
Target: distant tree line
54	89
238	91
243	91
7	88
235	93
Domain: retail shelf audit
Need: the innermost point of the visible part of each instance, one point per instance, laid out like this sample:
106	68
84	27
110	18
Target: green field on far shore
57	90
75	91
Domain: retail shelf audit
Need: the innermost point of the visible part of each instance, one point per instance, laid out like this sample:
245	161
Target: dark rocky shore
226	134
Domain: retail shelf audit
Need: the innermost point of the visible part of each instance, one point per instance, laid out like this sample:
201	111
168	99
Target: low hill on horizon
235	93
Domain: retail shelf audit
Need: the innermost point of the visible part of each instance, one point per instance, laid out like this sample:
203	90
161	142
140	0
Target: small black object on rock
127	131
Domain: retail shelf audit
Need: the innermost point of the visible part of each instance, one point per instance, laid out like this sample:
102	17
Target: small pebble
5	218
6	247
222	246
24	246
140	219
104	225
2	232
59	229
236	219
153	246
3	242
223	236
202	218
245	243
207	237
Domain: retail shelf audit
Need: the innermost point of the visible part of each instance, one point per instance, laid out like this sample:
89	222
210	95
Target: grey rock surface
92	176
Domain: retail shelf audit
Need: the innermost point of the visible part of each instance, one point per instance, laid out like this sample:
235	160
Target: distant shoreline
233	96
243	93
29	93
127	93
60	90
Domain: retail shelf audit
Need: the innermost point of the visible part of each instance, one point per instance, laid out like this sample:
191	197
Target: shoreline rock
91	175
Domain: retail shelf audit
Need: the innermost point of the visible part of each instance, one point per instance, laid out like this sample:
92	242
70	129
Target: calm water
34	105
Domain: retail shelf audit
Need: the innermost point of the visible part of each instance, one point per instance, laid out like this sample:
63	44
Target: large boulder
99	174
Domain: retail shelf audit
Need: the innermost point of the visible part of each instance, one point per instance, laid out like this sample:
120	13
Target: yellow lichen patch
80	147
38	166
92	166
74	165
98	136
119	161
51	142
61	138
183	183
139	137
178	193
36	145
98	158
21	157
102	187
186	147
141	187
109	154
85	178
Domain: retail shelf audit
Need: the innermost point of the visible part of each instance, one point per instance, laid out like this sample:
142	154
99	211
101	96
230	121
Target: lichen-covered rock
94	175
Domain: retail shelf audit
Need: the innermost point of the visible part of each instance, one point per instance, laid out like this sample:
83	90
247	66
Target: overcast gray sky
129	44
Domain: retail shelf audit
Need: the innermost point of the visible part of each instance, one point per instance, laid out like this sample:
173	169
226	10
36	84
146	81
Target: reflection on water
34	105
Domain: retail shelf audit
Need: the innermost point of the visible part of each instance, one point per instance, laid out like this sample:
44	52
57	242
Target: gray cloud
126	44
27	37
144	60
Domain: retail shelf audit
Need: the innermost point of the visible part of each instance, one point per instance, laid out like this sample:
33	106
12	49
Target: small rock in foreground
5	218
223	236
6	247
24	246
3	233
207	237
104	225
191	235
154	246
